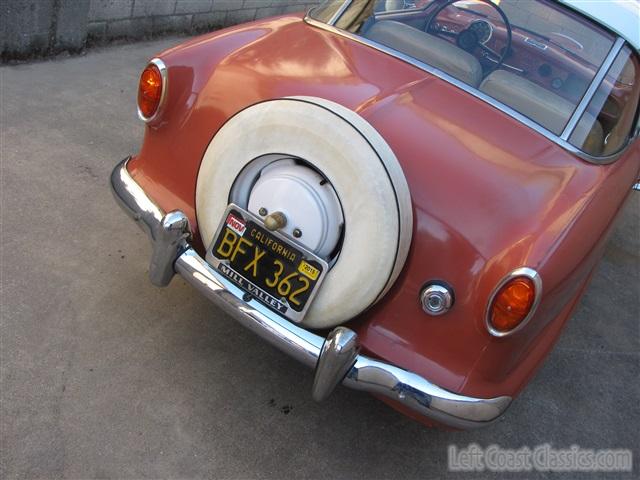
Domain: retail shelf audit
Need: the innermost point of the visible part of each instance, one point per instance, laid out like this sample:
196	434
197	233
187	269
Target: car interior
539	76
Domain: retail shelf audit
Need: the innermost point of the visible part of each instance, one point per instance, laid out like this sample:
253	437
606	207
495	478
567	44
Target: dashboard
539	59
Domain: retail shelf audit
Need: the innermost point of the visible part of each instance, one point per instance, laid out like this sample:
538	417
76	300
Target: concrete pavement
105	376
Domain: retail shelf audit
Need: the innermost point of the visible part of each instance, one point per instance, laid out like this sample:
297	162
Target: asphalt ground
106	376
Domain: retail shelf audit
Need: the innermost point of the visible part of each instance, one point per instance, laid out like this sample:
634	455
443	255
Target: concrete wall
44	27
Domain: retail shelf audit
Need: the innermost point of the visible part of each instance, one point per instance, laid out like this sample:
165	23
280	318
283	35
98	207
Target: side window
326	10
610	117
357	13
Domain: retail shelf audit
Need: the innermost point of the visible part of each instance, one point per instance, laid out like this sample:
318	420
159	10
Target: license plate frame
249	231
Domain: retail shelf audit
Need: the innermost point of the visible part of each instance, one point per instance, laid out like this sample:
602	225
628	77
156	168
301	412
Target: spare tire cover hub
306	198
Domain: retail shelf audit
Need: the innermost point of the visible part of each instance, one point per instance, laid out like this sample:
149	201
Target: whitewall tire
360	166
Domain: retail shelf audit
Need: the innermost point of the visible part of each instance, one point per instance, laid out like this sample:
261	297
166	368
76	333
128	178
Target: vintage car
409	197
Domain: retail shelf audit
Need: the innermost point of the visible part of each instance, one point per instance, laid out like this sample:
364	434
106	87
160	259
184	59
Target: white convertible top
621	16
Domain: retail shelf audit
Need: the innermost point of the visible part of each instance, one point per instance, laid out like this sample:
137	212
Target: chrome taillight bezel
162	68
527	272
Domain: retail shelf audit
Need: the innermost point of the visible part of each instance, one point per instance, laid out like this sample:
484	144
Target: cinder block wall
45	27
109	19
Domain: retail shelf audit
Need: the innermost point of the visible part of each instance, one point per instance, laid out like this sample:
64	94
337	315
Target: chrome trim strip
163	95
519	272
504	65
473	91
591	91
340	11
330	360
535	43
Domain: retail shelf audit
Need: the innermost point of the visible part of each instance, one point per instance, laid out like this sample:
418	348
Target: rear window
536	56
612	109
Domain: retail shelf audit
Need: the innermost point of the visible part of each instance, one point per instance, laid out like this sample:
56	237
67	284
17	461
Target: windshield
537	57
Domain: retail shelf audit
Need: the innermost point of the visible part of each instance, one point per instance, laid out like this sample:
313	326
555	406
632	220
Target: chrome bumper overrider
336	359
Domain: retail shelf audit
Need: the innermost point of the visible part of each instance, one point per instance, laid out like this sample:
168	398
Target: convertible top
621	16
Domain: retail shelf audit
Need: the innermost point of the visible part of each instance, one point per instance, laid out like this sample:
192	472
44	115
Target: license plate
269	266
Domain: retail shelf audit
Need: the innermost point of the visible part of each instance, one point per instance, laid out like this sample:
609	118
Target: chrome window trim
564	143
339	12
591	90
163	95
537	283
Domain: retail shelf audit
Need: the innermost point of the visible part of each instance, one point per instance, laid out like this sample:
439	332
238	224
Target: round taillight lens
512	304
150	91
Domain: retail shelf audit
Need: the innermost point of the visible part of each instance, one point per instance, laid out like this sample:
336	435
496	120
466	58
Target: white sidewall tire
361	167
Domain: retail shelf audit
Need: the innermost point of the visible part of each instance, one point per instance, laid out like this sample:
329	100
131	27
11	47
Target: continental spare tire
263	147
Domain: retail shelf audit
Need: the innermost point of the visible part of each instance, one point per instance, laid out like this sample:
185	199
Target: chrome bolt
297	232
263	211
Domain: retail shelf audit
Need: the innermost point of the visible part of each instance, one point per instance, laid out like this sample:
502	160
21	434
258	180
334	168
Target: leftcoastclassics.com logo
543	458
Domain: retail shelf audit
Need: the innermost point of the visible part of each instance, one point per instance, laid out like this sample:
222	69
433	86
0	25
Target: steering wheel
467	39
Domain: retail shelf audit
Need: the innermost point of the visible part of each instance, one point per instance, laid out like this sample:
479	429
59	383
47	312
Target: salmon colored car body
508	213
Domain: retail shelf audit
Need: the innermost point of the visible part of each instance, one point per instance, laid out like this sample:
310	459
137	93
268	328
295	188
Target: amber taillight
512	304
150	91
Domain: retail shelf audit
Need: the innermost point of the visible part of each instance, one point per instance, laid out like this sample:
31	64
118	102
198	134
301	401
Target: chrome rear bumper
336	359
